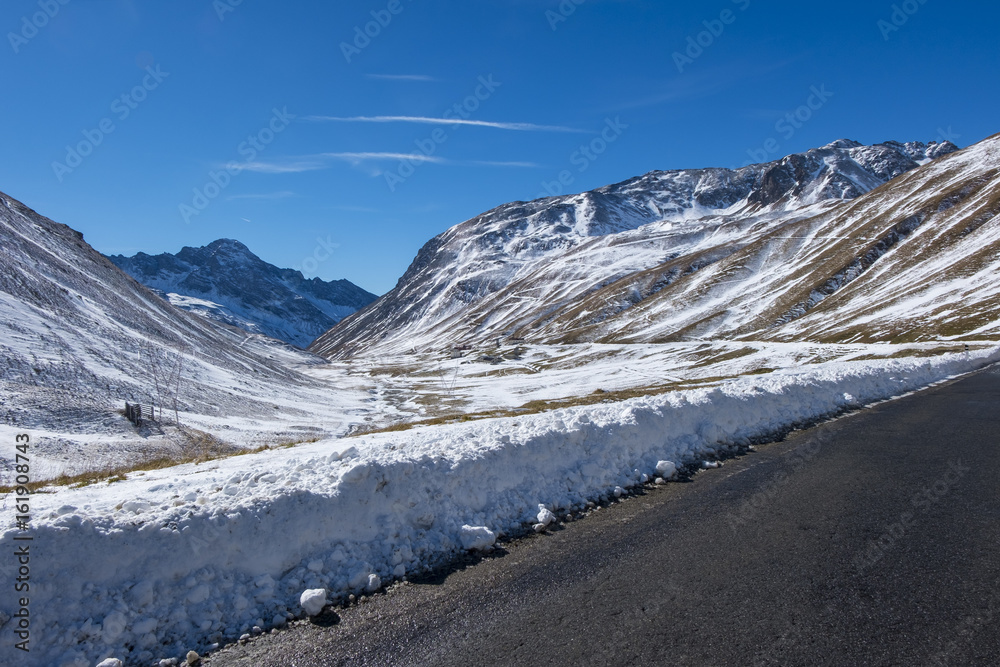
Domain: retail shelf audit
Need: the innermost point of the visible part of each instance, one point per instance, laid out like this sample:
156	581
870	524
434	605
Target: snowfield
189	557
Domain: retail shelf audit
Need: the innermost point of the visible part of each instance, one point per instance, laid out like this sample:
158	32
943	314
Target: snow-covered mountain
226	282
627	262
79	337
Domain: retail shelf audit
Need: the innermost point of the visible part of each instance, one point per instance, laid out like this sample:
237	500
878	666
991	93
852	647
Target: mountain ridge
226	281
465	283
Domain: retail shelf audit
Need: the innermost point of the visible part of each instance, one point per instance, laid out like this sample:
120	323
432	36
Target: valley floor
376	393
426	388
379	393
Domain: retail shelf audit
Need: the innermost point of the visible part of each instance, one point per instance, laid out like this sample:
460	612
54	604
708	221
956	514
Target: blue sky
120	118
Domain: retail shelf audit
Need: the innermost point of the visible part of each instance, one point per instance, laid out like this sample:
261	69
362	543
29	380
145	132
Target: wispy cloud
284	194
378	157
424	120
295	166
403	77
304	163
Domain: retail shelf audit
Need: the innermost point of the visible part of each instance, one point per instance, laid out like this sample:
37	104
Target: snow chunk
199	594
667	469
110	662
545	516
113	627
477	538
360	578
313	600
136	506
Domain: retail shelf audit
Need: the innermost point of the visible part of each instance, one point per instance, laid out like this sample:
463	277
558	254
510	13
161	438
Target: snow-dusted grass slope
181	558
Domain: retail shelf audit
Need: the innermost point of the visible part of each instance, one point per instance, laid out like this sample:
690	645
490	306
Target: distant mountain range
890	242
226	282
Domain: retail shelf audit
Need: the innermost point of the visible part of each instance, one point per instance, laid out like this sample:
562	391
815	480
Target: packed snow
171	561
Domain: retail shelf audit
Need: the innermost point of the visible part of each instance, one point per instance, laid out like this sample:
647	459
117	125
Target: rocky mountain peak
227	282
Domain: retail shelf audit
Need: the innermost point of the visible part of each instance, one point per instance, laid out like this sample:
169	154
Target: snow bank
183	558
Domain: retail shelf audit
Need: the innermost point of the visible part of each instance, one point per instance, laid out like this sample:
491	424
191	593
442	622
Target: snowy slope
78	338
515	269
227	282
914	260
170	561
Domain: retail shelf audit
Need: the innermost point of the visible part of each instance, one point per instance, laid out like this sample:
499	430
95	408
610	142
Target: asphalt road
871	540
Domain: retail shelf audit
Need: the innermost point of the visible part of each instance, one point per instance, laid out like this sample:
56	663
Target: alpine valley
302	442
